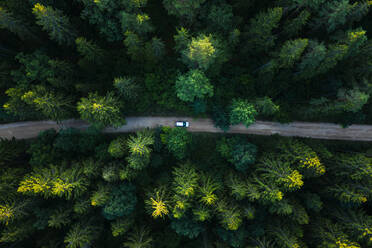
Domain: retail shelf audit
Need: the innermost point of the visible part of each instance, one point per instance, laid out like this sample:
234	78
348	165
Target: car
182	124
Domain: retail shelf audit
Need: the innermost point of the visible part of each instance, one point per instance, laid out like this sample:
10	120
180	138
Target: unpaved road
25	130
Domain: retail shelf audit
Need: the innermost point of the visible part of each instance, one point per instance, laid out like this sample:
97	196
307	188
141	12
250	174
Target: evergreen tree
127	87
8	21
241	111
139	238
55	23
193	85
139	149
185	180
260	31
79	236
89	50
291	51
177	141
183	9
101	111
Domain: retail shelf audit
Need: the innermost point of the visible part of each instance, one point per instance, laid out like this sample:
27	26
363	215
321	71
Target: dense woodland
232	60
167	188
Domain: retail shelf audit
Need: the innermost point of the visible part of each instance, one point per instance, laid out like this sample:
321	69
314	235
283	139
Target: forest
168	188
235	61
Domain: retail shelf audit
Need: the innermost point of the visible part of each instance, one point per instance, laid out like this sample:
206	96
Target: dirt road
25	130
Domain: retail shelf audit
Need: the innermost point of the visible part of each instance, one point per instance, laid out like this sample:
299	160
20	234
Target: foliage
193	85
101	110
177	141
187	227
122	202
241	111
139	238
55	23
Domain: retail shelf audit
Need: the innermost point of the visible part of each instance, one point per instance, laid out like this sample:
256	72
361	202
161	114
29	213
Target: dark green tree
193	85
55	23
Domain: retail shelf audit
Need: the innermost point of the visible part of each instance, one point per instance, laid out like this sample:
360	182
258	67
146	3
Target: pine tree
127	87
157	204
280	173
59	218
121	226
182	39
139	149
89	50
8	21
291	52
100	196
260	36
208	189
139	238
55	107
201	52
177	141
137	23
183	9
79	236
102	111
241	111
293	27
122	201
55	23
185	180
135	45
117	148
193	85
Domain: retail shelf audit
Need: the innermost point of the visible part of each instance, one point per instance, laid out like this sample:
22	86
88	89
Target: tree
185	180
333	14
122	202
293	27
201	52
54	181
182	39
208	189
177	141
220	118
186	226
55	23
193	85
100	196
259	34
139	238
266	107
89	50
121	226
102	111
127	87
183	9
220	17
139	149
281	174
291	52
137	23
8	21
117	148
230	216
241	111
79	236
237	151
59	218
157	205
55	107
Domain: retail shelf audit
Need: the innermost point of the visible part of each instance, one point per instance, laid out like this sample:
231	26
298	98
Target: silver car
182	124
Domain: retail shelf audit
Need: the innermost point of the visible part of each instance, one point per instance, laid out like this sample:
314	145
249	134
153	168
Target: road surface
25	130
